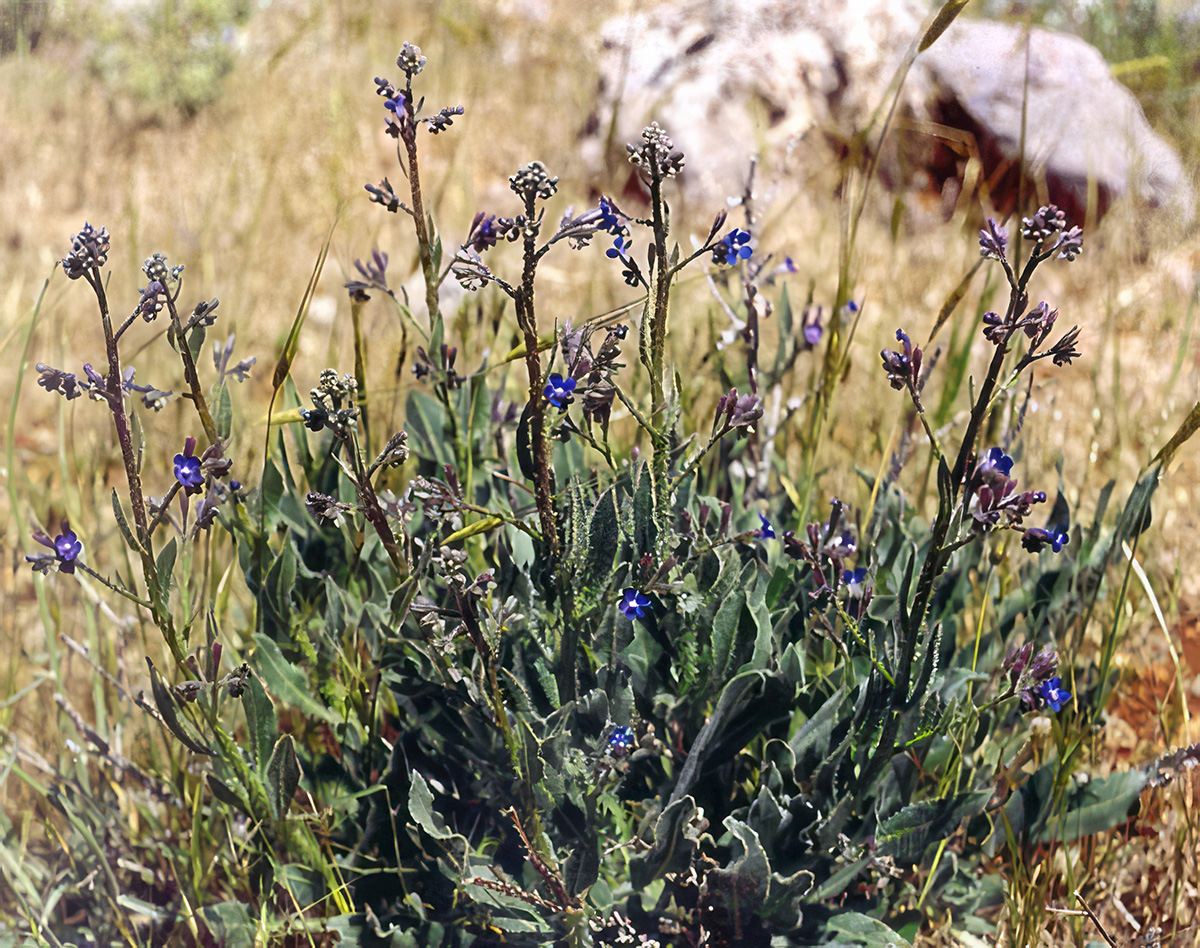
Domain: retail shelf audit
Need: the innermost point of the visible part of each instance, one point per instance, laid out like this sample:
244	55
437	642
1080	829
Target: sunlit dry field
246	188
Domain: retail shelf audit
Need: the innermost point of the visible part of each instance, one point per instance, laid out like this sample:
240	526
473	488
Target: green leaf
524	443
123	524
724	634
644	531
582	868
229	924
604	538
813	743
224	415
676	835
283	776
1094	807
226	794
945	16
425	422
743	883
287	682
260	720
164	700
907	834
865	931
1136	516
163	565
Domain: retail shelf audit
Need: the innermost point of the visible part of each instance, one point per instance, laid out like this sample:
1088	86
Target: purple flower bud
993	241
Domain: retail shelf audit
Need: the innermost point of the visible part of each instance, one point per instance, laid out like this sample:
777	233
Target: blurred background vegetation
232	136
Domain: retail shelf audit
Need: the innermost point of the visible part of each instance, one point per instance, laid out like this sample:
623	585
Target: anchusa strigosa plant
569	656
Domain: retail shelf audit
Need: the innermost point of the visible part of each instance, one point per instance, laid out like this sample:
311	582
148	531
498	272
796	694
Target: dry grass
245	192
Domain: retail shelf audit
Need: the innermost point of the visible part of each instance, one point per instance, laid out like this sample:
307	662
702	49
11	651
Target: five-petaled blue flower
633	604
558	391
67	546
620	742
733	247
766	531
1054	694
188	473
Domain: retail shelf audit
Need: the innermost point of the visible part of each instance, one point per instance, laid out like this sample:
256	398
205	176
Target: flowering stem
424	244
543	481
192	376
360	371
373	511
116	402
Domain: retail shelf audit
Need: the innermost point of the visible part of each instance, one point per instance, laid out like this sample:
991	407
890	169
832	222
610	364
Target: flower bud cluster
532	180
89	250
656	155
334	404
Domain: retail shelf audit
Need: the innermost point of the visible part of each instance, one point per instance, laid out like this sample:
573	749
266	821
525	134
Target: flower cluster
334	404
903	367
828	546
993	492
1049	223
70	386
533	180
374	276
1032	677
620	742
384	195
1037	325
737	411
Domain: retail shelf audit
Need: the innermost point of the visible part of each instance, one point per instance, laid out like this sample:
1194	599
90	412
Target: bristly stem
190	373
543	480
424	244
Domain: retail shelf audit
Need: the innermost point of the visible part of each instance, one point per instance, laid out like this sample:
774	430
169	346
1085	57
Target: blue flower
609	221
995	460
187	468
766	531
811	330
620	248
853	580
558	391
733	247
620	742
1053	693
633	604
67	546
1036	539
